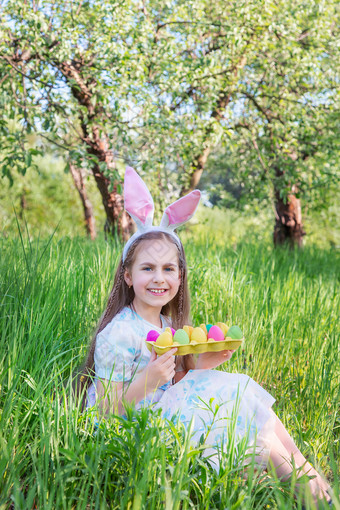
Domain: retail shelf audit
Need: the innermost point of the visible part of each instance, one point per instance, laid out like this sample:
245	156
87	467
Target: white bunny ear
181	211
137	199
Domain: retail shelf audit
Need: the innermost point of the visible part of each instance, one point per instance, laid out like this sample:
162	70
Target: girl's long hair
178	309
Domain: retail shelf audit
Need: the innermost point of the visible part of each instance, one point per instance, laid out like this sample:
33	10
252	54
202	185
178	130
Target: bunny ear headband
139	204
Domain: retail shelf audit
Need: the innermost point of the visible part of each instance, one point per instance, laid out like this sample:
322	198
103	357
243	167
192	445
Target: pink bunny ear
181	211
137	199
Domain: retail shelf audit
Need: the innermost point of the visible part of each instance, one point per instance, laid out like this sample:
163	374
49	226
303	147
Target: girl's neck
151	314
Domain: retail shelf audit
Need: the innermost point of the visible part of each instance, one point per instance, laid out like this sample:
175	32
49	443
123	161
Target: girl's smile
158	291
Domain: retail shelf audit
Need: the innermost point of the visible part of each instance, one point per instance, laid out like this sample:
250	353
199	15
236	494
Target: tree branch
8	60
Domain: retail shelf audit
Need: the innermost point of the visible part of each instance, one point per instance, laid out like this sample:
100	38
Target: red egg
152	336
216	333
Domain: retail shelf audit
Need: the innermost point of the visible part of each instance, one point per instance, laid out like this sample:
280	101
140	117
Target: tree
257	77
163	83
58	67
78	179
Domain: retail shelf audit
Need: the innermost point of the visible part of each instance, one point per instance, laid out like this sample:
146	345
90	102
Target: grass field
52	294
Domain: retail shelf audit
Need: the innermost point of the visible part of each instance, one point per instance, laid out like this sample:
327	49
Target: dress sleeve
115	352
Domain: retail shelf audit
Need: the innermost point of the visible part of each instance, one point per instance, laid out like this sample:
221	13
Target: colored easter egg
203	326
181	337
164	339
208	326
152	336
170	330
216	333
223	327
188	330
198	335
235	333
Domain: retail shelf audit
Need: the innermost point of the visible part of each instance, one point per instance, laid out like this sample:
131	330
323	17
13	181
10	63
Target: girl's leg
299	459
285	453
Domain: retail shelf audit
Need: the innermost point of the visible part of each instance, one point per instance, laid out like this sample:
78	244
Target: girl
150	291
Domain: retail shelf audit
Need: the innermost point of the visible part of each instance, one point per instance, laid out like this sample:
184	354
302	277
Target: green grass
52	293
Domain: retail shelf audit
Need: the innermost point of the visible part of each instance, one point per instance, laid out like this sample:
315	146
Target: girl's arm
179	375
111	395
183	365
205	361
209	360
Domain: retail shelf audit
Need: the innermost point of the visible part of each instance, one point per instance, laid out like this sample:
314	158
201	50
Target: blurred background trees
238	98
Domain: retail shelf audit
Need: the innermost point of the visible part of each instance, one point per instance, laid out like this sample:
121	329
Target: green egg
208	326
181	337
235	333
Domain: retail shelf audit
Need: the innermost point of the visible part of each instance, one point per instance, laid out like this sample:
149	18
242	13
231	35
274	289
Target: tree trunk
87	206
197	170
23	204
117	219
288	227
118	222
199	160
198	166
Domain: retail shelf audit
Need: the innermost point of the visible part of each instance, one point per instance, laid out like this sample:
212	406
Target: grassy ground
51	295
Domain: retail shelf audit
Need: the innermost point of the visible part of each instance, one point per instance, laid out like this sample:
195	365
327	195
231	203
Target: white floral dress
213	401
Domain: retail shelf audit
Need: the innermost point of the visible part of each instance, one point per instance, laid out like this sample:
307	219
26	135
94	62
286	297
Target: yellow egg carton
196	347
191	340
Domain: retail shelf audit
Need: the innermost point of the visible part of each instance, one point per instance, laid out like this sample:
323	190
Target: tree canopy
160	85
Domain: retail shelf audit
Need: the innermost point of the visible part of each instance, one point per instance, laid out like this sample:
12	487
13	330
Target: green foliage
254	223
52	294
165	83
45	200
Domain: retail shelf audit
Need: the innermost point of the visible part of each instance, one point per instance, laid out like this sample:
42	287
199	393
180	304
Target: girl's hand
208	360
160	370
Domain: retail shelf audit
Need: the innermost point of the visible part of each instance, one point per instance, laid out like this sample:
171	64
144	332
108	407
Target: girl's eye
165	269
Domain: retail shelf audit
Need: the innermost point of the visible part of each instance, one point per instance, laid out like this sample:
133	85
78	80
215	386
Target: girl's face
154	275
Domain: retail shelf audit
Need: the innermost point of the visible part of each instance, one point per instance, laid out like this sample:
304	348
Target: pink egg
152	336
173	331
216	333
